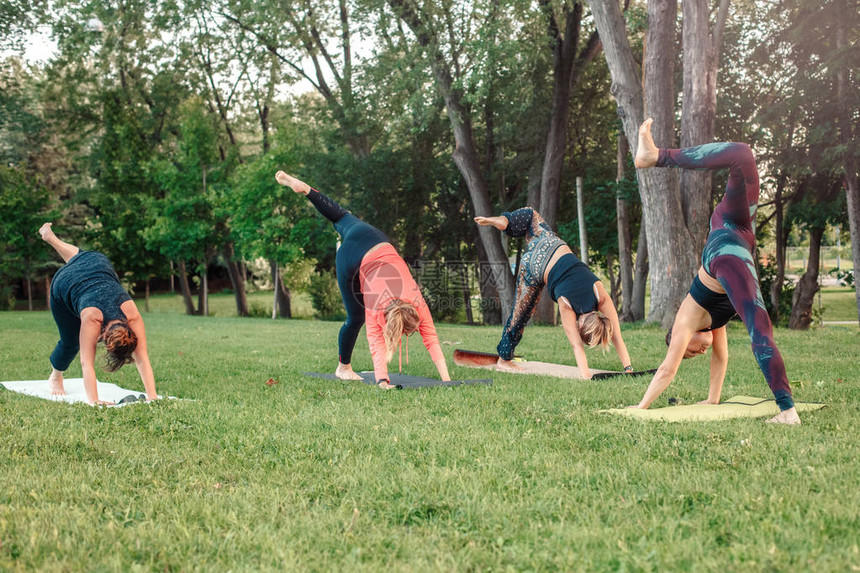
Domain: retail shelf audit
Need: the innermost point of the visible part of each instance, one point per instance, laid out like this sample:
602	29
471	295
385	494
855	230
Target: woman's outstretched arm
571	330
91	326
141	354
606	306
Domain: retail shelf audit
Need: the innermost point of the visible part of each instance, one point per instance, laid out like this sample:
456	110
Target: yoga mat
402	380
486	360
735	407
74	391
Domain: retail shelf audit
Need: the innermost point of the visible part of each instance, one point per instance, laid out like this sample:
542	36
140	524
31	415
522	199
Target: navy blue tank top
717	304
88	279
572	279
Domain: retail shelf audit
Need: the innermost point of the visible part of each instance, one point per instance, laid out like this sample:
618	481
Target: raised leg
742	188
327	206
65	250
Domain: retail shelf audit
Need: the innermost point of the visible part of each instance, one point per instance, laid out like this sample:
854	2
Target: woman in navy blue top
588	315
90	306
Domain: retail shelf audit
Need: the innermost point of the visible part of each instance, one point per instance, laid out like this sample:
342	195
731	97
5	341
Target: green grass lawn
839	303
319	475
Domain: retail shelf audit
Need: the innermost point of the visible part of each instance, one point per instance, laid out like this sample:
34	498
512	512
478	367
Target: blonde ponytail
595	329
400	318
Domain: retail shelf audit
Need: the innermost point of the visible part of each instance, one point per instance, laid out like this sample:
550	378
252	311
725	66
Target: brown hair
400	317
595	328
120	343
668	337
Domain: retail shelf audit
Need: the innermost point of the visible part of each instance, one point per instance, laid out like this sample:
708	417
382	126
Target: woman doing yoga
377	289
727	282
90	306
588	315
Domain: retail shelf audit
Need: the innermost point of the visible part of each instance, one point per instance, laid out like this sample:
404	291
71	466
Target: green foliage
185	227
25	205
263	213
325	297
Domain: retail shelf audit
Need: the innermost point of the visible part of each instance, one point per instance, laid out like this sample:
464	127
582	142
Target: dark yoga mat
403	380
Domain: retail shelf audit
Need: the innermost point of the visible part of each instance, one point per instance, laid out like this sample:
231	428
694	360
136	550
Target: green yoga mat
735	407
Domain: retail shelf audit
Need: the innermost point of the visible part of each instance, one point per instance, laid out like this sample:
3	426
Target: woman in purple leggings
727	282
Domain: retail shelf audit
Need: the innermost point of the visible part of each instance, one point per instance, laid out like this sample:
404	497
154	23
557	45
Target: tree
185	227
465	154
25	206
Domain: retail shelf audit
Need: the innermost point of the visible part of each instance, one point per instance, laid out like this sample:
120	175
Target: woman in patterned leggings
588	315
377	290
726	282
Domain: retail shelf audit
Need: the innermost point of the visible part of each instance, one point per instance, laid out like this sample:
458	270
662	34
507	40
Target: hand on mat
101	403
386	386
345	372
508	366
708	402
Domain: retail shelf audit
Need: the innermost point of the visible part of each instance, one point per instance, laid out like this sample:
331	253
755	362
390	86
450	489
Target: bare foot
500	223
788	417
345	372
46	232
646	152
55	382
508	366
292	183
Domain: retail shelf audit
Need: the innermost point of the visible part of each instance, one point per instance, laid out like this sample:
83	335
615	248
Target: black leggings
357	237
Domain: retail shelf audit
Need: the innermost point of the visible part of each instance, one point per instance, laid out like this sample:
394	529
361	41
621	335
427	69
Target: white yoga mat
74	391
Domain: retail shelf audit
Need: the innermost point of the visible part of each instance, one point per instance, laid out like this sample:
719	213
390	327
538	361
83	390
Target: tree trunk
273	267
625	247
580	217
185	288
467	294
669	240
203	291
846	134
465	154
491	308
48	292
285	299
699	110
146	296
804	294
564	52
781	243
29	294
533	188
640	279
613	283
236	280
661	202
